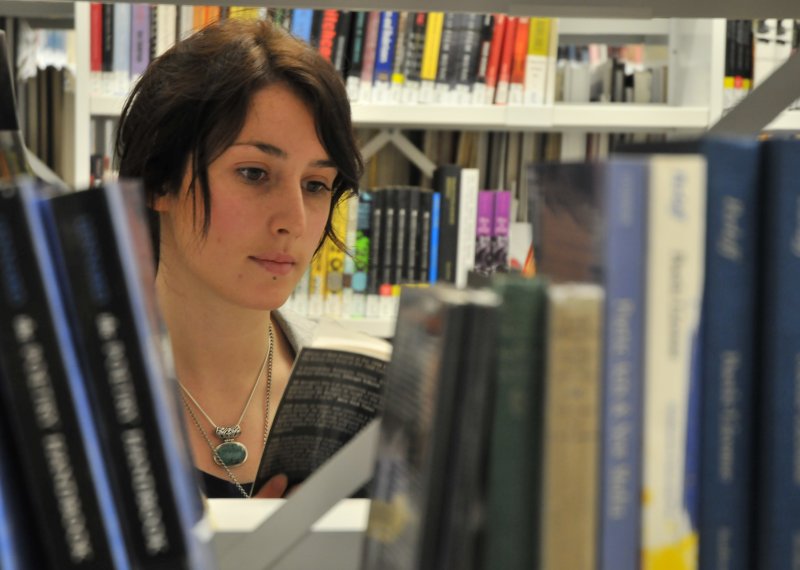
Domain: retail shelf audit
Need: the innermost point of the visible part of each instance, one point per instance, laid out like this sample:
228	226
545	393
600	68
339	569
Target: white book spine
467	221
674	277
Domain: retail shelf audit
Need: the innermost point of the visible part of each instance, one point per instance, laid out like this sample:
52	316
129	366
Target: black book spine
108	37
446	49
416	42
401	235
376	244
341	42
316	28
411	263
41	394
424	236
482	61
468	69
445	181
104	323
389	234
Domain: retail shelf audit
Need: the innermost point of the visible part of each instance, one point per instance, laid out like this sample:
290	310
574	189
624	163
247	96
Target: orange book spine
504	71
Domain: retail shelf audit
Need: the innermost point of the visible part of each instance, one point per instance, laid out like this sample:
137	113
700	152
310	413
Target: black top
216	488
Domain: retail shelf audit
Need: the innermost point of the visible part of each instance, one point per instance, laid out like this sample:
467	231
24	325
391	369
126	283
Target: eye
316	186
253	175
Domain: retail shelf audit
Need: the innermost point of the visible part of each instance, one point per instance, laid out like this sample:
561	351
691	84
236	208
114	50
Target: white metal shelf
744	9
592	116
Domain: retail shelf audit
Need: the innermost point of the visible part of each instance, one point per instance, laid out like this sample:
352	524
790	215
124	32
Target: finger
274	488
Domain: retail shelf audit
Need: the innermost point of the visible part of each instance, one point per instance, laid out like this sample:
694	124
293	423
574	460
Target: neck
218	347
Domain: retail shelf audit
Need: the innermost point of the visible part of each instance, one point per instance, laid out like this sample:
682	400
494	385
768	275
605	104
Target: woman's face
270	192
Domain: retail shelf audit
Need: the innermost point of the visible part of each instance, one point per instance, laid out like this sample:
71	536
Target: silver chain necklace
231	453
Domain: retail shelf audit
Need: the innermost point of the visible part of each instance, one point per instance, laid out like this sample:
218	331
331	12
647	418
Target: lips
278	264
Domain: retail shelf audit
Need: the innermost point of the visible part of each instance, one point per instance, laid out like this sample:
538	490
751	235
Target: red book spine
495	50
520	52
96	37
504	72
327	37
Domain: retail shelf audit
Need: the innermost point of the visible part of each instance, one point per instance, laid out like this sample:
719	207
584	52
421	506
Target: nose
288	210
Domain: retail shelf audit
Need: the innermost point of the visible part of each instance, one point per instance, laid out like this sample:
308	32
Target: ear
159	202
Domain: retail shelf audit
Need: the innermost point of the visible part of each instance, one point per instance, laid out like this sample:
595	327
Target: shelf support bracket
405	146
764	103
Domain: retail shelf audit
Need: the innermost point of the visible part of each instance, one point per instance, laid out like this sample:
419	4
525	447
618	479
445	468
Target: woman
243	139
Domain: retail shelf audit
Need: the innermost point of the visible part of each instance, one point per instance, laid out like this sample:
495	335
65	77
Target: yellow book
430	51
537	62
244	13
334	261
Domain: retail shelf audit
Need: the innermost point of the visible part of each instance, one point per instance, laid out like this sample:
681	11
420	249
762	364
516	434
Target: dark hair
192	101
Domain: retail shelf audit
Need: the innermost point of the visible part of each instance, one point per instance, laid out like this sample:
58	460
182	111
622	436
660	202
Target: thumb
274	488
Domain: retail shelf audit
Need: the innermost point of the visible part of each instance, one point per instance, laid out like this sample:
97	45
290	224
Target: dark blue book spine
727	355
625	194
778	486
47	401
387	40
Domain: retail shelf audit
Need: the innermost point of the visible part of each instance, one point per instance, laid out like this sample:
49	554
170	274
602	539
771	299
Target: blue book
625	210
302	22
778	485
727	352
46	401
590	225
387	40
436	208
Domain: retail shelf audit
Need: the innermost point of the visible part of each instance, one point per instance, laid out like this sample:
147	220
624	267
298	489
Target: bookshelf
692	109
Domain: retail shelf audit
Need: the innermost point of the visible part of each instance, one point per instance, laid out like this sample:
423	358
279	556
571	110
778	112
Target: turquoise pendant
230	453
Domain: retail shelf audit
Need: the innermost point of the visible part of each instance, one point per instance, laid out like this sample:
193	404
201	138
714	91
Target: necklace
231	453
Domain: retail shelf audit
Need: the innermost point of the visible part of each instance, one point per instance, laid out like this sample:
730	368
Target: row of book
607	74
407	235
753	50
633	406
384	56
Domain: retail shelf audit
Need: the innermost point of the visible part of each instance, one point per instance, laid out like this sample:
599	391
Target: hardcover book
441	332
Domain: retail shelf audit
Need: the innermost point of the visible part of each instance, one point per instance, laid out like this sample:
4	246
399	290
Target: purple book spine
140	39
484	229
502	212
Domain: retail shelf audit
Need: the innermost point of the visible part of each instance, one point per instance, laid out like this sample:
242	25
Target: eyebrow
277	152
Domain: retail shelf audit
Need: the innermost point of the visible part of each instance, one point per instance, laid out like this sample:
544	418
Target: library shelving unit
694	30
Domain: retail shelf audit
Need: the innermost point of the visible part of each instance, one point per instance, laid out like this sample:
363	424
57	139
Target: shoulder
299	330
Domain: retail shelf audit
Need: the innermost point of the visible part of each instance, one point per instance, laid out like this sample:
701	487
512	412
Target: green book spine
516	439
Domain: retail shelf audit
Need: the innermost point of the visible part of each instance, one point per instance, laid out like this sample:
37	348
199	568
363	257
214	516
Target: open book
334	390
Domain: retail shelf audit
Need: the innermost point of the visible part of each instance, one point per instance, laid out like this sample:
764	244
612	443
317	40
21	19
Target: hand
274	488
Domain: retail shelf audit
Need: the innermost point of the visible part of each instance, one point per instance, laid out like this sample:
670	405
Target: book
468	188
673	295
430	56
45	399
446	180
484	228
590	226
412	483
501	227
573	353
355	54
17	550
777	493
516	81
335	388
728	391
100	241
384	55
413	59
538	61
515	452
369	56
